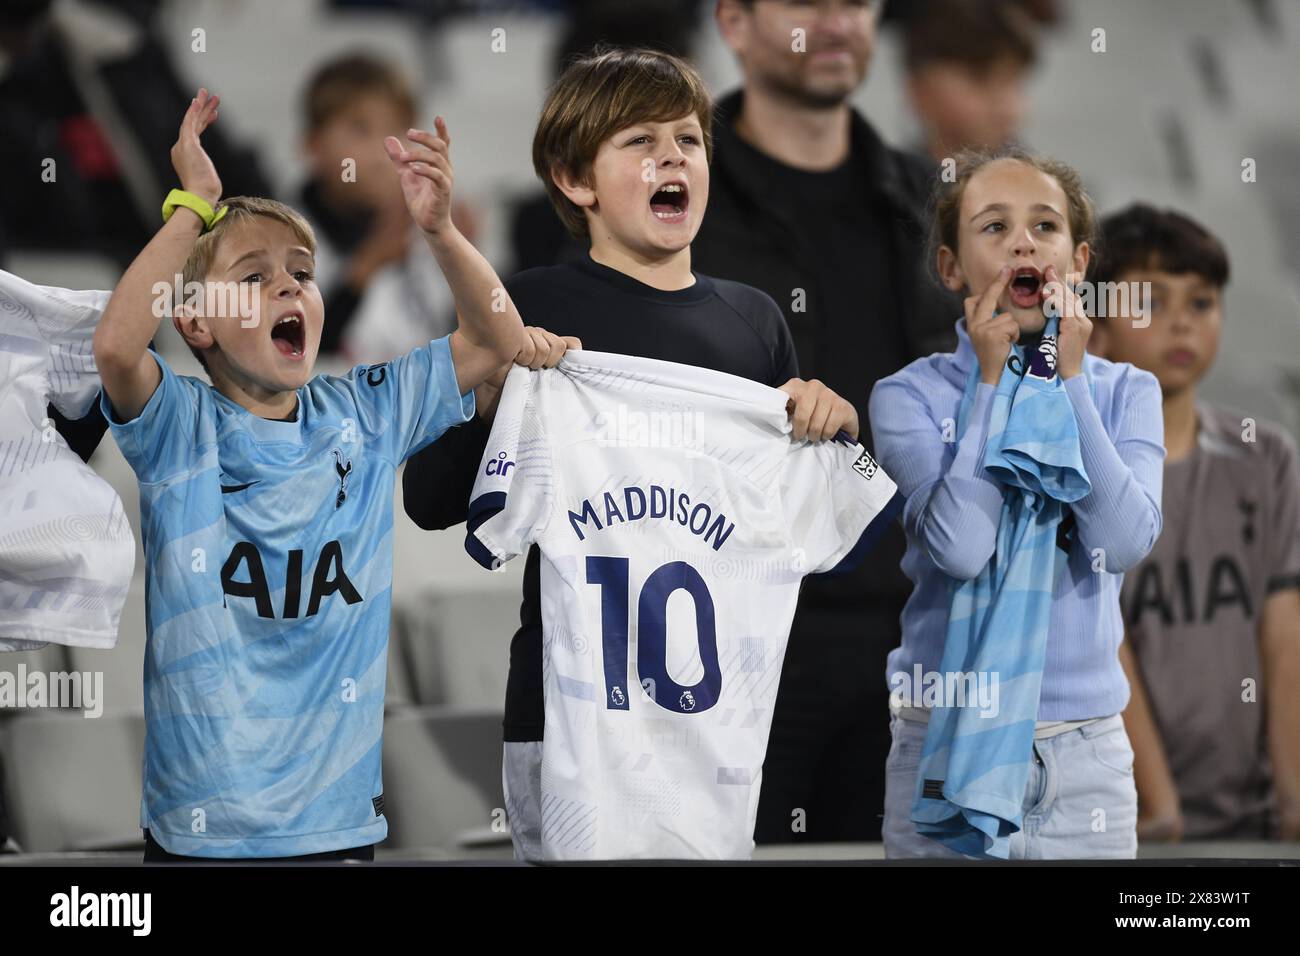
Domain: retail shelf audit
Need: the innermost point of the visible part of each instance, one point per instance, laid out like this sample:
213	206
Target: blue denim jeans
1080	801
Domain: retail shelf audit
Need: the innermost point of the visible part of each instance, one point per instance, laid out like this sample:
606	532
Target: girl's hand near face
1075	326
991	335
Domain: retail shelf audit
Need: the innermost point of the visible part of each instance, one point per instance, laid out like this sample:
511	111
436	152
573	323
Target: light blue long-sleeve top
953	508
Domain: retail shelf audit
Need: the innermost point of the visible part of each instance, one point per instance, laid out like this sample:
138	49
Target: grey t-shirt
1192	610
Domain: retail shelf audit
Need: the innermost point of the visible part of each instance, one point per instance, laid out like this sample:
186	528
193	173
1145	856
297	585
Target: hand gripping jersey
676	519
66	548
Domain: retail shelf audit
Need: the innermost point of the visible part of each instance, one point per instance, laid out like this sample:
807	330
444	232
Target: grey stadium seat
74	783
442	777
455	648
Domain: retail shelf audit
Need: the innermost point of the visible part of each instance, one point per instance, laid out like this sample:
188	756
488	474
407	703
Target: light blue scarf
974	768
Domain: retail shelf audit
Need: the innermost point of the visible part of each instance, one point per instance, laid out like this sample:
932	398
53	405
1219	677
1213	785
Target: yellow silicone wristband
199	205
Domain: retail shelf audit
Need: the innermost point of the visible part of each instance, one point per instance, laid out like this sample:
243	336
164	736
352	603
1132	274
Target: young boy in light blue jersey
266	508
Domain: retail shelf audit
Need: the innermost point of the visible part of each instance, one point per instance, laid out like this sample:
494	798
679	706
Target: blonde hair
598	95
239	209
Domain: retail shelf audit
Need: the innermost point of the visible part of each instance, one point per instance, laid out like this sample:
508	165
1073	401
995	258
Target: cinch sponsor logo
77	690
499	465
102	909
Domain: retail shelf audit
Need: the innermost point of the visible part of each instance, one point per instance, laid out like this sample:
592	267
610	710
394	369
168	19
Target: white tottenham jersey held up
66	548
676	518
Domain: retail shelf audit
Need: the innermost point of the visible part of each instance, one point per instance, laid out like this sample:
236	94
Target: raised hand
192	164
425	173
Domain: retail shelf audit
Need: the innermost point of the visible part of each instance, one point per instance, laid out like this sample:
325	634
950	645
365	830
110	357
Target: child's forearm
953	514
1120	517
488	319
130	321
131	317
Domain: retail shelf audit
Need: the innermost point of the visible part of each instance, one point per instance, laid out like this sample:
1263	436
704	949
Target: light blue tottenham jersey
268	552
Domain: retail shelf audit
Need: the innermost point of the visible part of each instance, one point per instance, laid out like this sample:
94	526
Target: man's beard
791	90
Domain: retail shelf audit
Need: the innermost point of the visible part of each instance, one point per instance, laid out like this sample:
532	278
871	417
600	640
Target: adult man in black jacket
808	204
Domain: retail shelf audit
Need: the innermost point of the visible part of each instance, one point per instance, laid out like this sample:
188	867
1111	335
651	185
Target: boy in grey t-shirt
1213	614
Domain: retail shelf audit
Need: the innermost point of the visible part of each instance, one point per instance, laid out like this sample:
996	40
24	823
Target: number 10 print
611	575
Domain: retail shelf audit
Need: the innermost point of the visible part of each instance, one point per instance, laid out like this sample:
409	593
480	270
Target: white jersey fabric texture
676	518
66	548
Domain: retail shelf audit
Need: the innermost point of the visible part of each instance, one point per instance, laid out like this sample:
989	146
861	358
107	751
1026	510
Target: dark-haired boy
622	147
1213	614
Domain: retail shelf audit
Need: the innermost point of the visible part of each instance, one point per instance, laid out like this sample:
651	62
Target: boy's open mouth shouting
670	200
289	334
